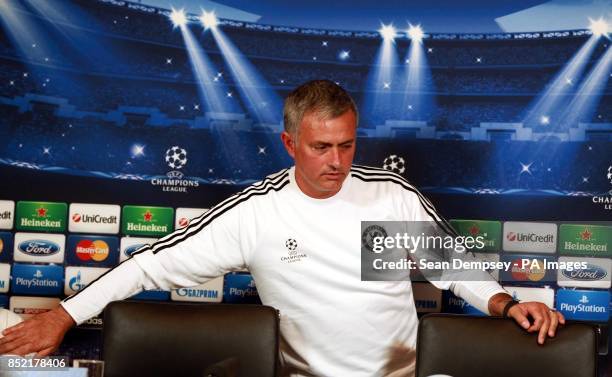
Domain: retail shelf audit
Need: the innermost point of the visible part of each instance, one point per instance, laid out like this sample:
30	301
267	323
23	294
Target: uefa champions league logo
395	164
175	181
603	199
176	157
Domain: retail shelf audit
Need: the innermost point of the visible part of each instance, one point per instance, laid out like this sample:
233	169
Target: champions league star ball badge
176	157
609	175
395	164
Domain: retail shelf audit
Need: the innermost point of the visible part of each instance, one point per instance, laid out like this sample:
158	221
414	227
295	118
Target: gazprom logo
75	282
200	293
591	273
39	247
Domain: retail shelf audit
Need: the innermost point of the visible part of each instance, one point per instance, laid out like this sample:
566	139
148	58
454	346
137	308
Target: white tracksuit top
305	257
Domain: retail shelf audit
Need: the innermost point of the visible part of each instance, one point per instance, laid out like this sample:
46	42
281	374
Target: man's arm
210	246
482	291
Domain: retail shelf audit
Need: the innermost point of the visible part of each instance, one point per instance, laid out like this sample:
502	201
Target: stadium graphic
503	113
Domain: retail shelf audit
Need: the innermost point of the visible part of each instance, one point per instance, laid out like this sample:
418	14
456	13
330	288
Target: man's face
323	153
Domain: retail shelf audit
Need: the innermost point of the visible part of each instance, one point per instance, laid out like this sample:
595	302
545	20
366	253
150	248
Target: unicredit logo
529	237
94	219
591	273
39	247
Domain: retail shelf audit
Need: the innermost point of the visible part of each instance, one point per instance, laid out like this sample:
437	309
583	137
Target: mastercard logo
88	250
528	271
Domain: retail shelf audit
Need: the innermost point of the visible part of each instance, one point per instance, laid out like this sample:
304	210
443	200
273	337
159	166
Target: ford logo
132	249
591	273
39	247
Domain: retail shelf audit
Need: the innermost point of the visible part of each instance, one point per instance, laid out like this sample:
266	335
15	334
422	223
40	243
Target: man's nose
335	157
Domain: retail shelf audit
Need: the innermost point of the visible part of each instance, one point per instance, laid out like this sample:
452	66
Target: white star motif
386	85
430	49
569	81
324	43
168	61
46	150
525	168
409	107
585	179
12	82
216	79
25	74
314	58
590	148
181	108
211	170
196	107
282	81
478	60
261	150
407	61
229	94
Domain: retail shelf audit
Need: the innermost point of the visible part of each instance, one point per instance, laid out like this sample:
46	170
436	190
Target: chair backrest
167	339
464	346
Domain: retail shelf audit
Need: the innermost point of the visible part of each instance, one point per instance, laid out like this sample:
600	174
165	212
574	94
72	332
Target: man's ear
289	143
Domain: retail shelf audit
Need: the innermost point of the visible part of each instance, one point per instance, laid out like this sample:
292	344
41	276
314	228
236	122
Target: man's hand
41	334
545	319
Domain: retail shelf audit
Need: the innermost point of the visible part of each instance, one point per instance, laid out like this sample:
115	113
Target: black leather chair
167	339
464	346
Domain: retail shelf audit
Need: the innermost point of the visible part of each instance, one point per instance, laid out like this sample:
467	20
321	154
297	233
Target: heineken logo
40	223
147	228
586	235
148	216
41	216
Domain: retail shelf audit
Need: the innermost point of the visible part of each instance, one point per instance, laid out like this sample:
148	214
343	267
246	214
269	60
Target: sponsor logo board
39	247
94	218
37	279
457	305
427	298
545	295
490	231
211	291
528	237
240	288
7	214
129	245
147	221
78	278
584	305
154	294
592	240
489	257
5	277
529	269
92	250
595	275
26	307
185	215
6	246
41	216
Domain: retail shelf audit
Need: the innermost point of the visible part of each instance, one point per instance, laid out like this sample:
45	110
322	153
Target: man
295	231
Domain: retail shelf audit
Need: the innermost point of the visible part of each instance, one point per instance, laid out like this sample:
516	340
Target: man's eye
320	147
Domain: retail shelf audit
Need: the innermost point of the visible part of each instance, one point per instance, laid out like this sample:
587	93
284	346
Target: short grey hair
321	97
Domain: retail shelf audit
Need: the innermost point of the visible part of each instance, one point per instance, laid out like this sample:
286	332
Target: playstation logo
584	300
38	274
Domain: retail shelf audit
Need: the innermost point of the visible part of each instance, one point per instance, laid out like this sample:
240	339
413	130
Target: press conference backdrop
118	127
